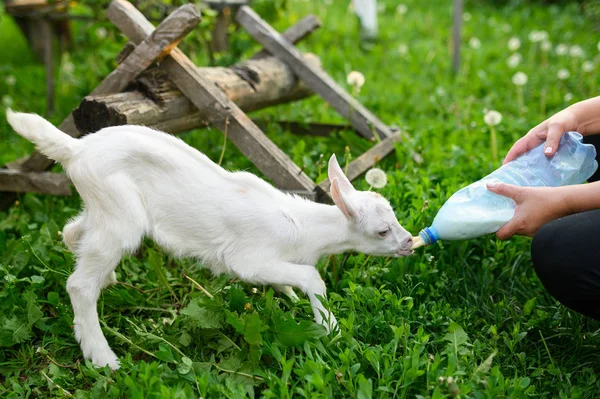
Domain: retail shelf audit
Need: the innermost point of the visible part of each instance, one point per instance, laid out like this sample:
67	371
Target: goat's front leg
304	277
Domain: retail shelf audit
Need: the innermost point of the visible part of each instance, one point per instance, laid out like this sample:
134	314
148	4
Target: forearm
580	198
587	113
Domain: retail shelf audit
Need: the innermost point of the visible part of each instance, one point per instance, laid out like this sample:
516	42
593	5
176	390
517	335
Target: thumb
555	132
507	231
506	190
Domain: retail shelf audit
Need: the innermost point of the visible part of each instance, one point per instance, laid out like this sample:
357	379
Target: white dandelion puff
546	46
563	74
474	43
356	79
588	66
10	80
101	33
514	44
519	79
492	118
401	9
576	52
514	60
376	178
569	97
7	101
403	49
562	49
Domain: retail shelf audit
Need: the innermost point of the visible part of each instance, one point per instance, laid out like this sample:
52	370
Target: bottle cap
429	235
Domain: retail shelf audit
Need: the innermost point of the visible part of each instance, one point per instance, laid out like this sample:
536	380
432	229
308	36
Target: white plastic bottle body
475	211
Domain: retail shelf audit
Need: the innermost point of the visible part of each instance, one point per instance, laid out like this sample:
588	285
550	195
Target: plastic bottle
475	211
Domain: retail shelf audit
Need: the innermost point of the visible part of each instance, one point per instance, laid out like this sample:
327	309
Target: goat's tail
50	141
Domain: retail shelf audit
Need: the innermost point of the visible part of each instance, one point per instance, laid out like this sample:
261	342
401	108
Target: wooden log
157	102
34	182
361	164
215	106
320	82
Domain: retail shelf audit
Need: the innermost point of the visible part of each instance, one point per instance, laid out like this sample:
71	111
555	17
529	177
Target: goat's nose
407	242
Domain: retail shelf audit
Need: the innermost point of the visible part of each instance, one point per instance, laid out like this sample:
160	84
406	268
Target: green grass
473	311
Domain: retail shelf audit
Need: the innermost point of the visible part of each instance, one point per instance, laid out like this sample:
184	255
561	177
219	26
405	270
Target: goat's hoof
106	358
330	324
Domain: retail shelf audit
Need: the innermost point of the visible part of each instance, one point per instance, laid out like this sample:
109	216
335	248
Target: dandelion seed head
356	79
474	43
520	79
514	44
563	74
376	178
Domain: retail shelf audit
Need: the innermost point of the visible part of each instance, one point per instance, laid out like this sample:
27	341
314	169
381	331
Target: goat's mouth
404	252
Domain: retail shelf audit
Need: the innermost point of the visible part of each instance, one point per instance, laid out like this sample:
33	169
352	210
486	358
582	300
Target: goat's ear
335	172
340	197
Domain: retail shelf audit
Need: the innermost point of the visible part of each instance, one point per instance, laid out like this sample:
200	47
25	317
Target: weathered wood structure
155	84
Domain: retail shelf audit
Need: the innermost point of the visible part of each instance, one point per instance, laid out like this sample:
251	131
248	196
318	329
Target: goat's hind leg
73	233
98	255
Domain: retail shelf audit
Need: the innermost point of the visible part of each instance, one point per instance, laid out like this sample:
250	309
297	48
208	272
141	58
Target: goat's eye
384	233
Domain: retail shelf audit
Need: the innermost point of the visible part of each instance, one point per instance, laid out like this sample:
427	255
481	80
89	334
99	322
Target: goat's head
374	228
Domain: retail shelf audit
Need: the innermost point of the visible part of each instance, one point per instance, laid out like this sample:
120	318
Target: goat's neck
326	230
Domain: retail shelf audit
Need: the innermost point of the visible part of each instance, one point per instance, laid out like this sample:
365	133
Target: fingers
526	143
555	132
506	190
520	147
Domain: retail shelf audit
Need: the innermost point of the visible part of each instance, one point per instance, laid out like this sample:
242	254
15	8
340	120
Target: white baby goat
136	182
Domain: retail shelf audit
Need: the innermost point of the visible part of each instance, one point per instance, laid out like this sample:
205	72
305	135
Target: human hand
550	131
536	206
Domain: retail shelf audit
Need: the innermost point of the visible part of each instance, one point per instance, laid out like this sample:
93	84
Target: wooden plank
220	33
34	182
155	46
361	164
456	34
297	32
218	109
321	83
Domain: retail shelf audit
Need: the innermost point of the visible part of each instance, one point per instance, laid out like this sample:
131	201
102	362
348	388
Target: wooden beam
218	109
361	164
155	46
17	181
297	32
321	83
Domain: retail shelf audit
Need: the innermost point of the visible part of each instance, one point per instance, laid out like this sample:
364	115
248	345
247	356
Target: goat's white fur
136	182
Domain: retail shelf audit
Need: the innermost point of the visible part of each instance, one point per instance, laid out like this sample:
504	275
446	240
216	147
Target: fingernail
548	150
